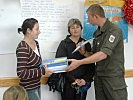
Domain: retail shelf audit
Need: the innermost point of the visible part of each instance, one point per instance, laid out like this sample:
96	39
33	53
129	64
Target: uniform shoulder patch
111	38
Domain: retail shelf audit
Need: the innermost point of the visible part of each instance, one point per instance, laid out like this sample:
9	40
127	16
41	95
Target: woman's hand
48	72
80	82
82	49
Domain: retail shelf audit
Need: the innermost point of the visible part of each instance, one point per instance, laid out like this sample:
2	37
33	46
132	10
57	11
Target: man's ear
96	16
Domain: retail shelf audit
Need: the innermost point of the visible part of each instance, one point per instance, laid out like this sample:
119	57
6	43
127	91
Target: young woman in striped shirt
29	59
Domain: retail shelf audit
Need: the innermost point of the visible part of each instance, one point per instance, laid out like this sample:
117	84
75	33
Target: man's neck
102	22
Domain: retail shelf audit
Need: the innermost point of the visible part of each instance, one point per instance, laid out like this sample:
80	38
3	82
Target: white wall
129	82
129	49
8	65
49	95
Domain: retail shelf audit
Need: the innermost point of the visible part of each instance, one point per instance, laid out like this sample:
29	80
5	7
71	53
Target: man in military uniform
108	53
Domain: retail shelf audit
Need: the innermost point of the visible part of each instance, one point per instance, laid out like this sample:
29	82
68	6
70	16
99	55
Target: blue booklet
57	65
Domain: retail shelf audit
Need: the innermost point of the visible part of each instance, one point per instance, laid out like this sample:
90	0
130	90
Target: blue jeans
34	94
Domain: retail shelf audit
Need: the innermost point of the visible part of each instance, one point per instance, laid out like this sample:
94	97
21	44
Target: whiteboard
53	16
10	17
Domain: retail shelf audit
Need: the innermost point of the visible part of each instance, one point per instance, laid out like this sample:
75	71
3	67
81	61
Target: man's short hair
96	9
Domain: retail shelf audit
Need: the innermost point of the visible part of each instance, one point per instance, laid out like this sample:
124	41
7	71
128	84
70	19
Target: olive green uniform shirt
109	79
109	40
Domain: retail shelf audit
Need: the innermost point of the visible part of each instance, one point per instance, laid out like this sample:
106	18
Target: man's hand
74	64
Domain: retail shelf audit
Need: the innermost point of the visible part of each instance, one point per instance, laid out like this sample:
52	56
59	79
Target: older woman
81	75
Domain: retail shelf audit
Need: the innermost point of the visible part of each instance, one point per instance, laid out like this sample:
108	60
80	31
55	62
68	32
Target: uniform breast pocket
96	45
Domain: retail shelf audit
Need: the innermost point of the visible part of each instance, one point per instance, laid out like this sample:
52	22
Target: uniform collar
106	24
103	29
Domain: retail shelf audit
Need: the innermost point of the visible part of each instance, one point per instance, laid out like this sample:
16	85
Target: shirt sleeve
90	72
61	50
111	40
23	71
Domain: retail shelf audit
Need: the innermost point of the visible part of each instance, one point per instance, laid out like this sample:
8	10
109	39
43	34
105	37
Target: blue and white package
57	65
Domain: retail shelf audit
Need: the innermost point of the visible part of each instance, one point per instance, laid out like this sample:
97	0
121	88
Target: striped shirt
28	69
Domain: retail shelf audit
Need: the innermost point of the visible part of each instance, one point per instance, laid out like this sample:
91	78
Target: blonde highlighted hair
15	93
72	22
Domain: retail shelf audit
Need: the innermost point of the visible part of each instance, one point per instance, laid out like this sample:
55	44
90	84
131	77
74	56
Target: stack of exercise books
57	65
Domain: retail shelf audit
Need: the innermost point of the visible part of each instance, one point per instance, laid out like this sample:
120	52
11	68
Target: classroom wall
8	60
